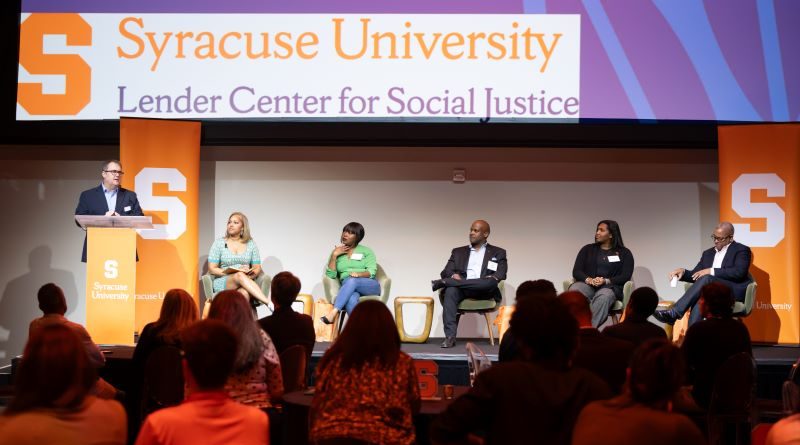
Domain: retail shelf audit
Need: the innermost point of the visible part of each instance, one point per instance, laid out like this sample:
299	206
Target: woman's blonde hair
245	234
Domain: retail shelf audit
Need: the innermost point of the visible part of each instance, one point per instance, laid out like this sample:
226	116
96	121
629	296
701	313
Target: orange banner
759	179
110	281
161	159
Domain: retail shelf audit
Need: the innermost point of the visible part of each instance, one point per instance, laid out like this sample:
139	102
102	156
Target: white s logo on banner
175	208
773	213
111	269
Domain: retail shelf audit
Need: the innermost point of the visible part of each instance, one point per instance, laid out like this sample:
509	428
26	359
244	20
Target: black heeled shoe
325	320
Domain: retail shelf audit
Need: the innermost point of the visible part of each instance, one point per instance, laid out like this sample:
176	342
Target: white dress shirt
719	255
475	263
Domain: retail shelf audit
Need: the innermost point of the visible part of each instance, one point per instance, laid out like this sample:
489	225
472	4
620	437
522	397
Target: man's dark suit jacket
93	202
288	328
459	259
605	356
735	267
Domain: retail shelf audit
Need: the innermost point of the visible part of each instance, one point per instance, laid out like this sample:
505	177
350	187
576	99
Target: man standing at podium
108	198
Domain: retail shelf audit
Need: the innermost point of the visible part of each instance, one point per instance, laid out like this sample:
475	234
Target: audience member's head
209	348
232	308
545	330
716	300
178	310
370	334
656	372
284	289
54	373
536	289
578	306
51	299
642	304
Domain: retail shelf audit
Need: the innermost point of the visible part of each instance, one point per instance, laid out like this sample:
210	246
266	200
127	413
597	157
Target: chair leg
489	325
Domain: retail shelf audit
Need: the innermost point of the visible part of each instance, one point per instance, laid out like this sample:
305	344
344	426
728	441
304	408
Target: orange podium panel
110	285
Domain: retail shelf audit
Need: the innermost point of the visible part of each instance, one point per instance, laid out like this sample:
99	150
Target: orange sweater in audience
370	403
208	418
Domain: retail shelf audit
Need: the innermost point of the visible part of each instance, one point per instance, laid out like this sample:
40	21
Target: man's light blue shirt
111	197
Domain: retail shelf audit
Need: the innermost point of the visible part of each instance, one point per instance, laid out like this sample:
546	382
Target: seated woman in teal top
355	266
234	260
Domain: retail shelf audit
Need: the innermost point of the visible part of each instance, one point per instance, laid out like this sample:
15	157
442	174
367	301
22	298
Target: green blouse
345	264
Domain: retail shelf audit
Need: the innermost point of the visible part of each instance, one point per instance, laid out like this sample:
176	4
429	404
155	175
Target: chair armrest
386	287
331	287
568	283
264	281
208	286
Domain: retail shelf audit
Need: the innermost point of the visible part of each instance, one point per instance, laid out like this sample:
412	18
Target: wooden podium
111	276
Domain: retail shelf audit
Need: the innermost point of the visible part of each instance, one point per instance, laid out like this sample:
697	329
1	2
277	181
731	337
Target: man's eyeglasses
115	172
719	238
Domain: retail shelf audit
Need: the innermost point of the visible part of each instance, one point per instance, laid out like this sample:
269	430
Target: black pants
457	290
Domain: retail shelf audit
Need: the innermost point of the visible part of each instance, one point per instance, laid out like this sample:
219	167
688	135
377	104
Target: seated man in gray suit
471	272
728	262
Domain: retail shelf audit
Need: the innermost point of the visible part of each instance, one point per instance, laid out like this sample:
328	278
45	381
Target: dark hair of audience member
54	373
717	300
284	288
656	372
642	304
578	306
356	229
546	328
370	334
51	299
178	310
536	289
616	233
209	347
232	308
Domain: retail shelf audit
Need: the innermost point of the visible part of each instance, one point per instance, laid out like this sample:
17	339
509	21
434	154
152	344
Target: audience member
785	432
635	328
52	401
643	413
208	415
529	289
366	388
53	305
178	310
256	378
710	342
535	400
605	356
285	326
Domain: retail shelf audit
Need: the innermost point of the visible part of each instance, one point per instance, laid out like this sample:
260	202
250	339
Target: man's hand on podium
112	213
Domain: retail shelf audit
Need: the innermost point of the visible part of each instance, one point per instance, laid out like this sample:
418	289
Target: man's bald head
726	227
479	232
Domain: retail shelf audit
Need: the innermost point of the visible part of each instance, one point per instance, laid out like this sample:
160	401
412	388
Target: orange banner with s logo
759	181
161	159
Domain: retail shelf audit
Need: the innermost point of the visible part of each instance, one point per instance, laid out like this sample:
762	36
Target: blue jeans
352	289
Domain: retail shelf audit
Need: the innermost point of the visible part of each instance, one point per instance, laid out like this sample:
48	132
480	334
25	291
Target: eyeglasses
115	172
718	238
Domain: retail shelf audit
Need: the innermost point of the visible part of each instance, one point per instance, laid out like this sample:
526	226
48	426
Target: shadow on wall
18	305
642	277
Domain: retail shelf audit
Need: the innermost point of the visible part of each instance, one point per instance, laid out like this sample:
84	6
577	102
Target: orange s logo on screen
427	376
34	59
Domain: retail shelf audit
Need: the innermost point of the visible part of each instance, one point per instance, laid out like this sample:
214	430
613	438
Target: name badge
357	256
127	209
491	265
613	258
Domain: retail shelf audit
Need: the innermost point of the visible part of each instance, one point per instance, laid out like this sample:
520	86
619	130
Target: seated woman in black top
601	270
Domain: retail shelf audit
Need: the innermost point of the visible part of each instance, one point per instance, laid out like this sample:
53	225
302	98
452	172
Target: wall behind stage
542	204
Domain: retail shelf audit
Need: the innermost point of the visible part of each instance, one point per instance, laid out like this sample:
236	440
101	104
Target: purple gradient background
672	85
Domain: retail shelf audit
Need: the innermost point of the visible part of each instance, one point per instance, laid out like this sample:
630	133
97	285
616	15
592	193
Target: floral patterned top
372	403
262	382
219	254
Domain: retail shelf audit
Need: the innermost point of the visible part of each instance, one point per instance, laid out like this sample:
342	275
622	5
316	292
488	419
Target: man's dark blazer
459	259
93	202
734	270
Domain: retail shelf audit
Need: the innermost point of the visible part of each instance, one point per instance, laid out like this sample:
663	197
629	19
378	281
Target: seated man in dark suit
710	342
635	328
285	326
728	262
108	198
471	272
605	356
533	400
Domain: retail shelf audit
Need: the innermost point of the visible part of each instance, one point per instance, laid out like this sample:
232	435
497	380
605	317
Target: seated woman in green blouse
355	267
235	262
